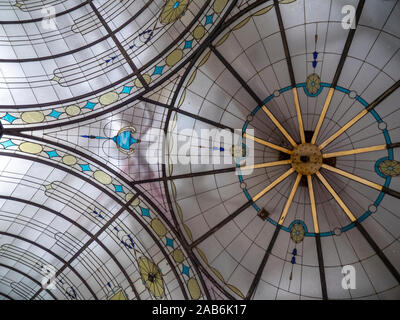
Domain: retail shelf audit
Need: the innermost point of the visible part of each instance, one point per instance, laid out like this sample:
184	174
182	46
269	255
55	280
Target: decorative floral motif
297	233
173	10
151	277
390	168
125	140
313	83
238	152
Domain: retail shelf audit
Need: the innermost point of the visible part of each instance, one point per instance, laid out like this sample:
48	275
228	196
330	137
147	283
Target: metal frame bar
273	184
265	165
360	115
290	199
263	263
299	116
338	72
186	113
354	151
336	196
313	204
267	144
291	72
119	46
66	53
112	85
220	26
77	225
6	296
321	267
353	177
252	94
279	126
117	200
55	256
185	176
236	75
68	263
322	115
363	181
379	252
221	224
27	276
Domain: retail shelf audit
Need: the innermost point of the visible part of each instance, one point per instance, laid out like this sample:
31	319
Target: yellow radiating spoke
267	144
323	114
266	165
290	199
299	116
371	107
273	184
279	126
343	129
354	151
353	177
313	205
337	198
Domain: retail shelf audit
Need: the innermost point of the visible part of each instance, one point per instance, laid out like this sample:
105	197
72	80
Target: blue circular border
389	157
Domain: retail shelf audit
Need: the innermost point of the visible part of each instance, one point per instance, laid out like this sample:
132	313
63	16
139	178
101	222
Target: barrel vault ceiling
80	100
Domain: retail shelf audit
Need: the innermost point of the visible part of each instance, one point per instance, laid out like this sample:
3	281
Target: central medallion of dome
306	159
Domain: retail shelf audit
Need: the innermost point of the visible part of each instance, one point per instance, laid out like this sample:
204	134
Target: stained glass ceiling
86	87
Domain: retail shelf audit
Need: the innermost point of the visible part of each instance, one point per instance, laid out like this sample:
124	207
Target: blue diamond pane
90	105
85	167
170	242
9	118
55	114
185	270
52	154
145	212
126	90
158	70
188	44
209	19
315	54
8	144
118	188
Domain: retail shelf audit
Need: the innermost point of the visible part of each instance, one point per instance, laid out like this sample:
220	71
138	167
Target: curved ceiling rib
123	79
124	206
6	296
93	237
27	276
67	264
119	46
54	255
57	14
131	19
